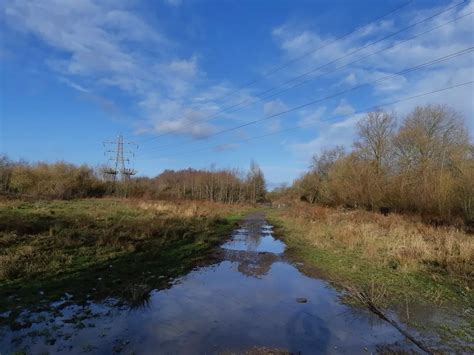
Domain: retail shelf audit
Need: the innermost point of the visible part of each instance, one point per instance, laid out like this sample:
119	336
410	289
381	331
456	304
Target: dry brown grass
401	242
185	208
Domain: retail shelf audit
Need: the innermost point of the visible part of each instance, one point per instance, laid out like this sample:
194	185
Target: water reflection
257	236
254	248
255	264
248	299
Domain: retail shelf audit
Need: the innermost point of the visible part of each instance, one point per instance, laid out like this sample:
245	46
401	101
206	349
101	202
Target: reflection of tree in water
254	269
254	233
252	263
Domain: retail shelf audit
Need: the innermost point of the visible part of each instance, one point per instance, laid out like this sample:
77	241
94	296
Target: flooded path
252	298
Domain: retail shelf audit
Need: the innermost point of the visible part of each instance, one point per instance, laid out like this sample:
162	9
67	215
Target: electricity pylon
119	169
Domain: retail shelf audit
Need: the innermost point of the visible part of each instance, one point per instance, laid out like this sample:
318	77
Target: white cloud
271	108
90	34
350	79
312	117
98	45
73	85
344	108
376	28
92	51
451	38
172	116
185	125
212	93
274	126
330	134
296	39
183	68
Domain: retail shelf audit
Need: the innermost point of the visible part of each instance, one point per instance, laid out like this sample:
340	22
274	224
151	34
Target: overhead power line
304	55
357	60
299	58
336	69
260	95
365	110
367	83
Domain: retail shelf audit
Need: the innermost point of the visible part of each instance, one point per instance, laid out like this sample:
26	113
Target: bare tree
431	134
321	164
426	166
375	137
256	183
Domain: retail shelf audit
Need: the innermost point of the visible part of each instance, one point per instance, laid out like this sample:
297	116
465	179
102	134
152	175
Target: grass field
94	249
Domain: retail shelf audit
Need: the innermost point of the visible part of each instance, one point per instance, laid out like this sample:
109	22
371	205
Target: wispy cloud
344	108
73	84
330	134
274	107
100	44
310	117
297	39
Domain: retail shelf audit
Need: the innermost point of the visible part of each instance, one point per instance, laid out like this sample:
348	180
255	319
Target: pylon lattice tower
118	168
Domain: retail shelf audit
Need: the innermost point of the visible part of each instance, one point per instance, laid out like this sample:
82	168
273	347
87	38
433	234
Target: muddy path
252	297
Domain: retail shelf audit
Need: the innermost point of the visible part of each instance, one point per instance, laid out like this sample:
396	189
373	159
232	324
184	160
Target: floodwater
254	297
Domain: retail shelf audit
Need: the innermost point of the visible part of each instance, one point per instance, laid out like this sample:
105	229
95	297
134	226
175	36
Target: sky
187	79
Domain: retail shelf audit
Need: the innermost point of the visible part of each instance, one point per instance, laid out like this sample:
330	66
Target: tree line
67	181
227	185
425	166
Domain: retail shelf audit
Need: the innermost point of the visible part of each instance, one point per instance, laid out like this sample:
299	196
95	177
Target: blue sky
76	73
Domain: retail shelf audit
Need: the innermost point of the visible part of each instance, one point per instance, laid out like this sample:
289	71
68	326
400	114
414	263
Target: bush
57	181
424	167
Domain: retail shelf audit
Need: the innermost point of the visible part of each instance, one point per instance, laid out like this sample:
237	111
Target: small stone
301	300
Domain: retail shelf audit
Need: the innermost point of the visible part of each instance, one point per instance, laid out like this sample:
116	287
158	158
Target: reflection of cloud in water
305	328
255	236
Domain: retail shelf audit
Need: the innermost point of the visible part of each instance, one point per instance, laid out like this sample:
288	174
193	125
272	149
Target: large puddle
252	298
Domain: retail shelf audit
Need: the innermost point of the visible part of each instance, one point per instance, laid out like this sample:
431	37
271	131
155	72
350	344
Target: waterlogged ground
252	298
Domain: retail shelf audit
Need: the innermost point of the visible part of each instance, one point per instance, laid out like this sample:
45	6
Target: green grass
93	249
